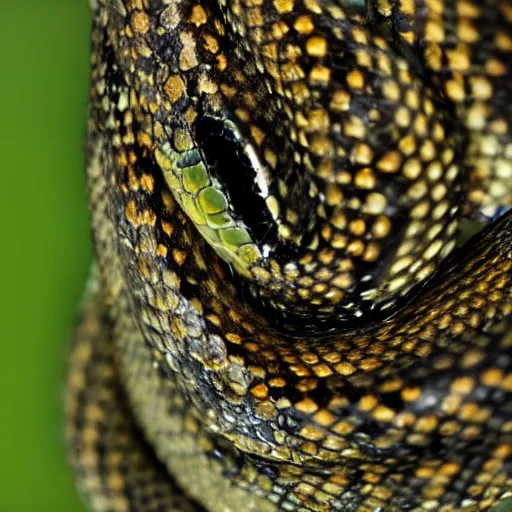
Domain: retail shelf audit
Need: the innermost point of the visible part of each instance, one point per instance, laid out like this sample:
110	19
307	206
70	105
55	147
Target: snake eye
232	162
221	186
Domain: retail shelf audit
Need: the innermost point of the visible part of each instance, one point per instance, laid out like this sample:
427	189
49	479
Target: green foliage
505	506
45	249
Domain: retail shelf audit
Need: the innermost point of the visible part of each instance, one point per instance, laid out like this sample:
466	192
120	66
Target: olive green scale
207	206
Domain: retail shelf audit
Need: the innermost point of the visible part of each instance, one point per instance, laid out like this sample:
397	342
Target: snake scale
282	314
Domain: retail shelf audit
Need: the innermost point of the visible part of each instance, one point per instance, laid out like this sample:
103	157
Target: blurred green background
45	241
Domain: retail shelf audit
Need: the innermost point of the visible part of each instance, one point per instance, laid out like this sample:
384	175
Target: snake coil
282	315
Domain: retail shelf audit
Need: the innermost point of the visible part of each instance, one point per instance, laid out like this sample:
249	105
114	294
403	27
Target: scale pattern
279	317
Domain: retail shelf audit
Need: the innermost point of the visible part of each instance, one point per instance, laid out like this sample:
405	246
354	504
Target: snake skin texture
282	314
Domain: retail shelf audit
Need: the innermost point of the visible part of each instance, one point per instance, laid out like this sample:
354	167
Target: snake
287	310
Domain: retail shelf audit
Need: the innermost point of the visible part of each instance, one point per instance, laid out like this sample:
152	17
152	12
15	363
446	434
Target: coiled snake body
279	316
